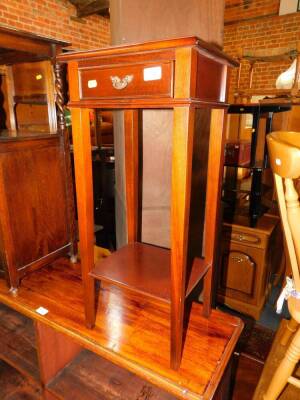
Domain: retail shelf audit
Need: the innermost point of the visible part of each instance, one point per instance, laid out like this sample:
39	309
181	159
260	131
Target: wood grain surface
130	330
17	342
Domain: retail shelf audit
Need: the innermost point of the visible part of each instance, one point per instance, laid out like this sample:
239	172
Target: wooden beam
89	7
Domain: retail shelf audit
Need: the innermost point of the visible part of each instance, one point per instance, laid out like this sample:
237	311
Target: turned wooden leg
290	328
84	193
182	153
62	130
285	369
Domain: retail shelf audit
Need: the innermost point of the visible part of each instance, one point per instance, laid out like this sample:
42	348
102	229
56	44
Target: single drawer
130	81
256	239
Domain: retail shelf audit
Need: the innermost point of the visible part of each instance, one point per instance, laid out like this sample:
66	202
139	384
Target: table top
131	331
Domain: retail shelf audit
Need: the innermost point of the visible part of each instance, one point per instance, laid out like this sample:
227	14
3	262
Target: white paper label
92	83
42	311
152	74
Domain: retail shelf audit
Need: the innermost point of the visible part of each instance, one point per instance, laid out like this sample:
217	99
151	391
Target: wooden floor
127	328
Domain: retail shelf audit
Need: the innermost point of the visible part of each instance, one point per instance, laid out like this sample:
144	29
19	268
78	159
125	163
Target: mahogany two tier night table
190	77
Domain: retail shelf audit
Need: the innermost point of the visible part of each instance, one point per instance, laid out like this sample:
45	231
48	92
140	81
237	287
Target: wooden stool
284	150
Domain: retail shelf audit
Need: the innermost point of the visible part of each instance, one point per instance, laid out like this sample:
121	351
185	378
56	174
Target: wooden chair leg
290	328
285	369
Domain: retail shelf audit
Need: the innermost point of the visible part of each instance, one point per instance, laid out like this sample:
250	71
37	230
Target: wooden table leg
182	154
131	131
213	201
84	192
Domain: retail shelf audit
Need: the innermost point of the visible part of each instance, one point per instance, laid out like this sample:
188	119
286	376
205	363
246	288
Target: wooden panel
101	79
131	330
34	187
32	118
17	342
55	351
238	272
211	79
30	78
106	382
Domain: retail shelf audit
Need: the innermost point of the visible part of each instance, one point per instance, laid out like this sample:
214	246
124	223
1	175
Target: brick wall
256	24
57	19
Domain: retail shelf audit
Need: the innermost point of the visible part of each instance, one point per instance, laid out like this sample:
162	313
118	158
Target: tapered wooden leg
84	193
131	131
213	202
290	328
183	132
207	290
284	370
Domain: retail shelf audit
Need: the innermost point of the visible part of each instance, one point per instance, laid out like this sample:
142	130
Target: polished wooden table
131	331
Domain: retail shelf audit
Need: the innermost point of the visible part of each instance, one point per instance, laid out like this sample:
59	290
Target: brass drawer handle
245	238
119	83
237	259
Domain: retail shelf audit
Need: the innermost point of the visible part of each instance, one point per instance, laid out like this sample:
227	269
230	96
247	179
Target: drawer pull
119	83
239	237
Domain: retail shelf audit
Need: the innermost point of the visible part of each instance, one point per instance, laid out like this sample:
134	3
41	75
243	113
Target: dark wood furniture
37	209
34	220
131	333
249	258
190	77
259	156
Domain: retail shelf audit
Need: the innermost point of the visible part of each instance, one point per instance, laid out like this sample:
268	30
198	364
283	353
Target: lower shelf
91	377
17	344
145	269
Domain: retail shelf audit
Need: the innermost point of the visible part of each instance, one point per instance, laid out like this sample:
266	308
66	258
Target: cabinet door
240	269
33	186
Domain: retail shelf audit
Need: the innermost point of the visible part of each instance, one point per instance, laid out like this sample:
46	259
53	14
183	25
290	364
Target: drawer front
131	81
256	239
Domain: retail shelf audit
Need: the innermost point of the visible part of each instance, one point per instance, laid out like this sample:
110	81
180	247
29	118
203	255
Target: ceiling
90	7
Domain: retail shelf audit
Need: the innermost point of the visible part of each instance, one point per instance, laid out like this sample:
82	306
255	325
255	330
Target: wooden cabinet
36	200
34	220
249	256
